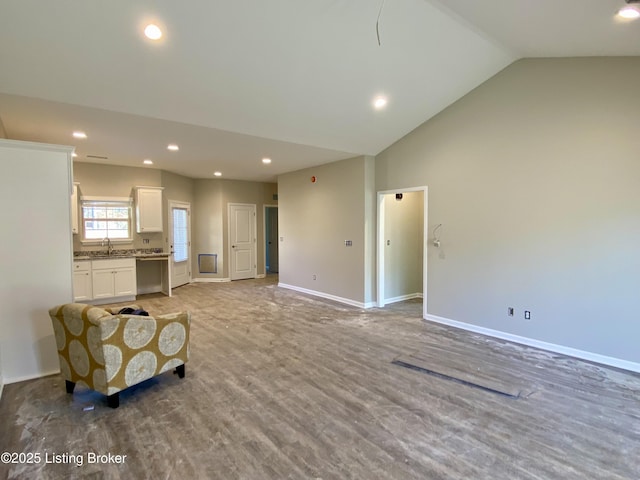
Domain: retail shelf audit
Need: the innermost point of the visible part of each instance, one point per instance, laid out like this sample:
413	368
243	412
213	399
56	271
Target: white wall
403	245
535	176
35	191
315	219
1	374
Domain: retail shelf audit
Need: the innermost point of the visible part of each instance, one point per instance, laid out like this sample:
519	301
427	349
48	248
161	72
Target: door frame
381	249
255	235
179	204
264	233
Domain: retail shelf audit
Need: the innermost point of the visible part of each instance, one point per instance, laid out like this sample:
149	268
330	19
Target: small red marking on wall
313	179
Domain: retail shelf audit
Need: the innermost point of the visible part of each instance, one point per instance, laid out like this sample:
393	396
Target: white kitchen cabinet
82	281
113	278
74	210
148	209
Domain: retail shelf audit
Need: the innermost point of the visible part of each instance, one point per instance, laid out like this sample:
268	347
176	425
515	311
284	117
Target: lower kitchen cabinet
82	282
114	278
104	280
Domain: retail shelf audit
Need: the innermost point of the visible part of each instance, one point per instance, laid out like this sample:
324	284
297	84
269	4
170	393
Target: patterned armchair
109	352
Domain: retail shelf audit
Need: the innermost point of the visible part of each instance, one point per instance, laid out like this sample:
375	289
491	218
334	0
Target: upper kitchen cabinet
148	209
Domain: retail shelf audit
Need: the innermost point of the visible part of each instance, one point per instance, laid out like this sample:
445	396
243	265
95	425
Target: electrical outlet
314	277
527	315
510	311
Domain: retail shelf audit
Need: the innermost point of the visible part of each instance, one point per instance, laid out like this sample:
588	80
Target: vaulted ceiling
232	82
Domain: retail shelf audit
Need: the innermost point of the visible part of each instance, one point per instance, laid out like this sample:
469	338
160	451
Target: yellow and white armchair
108	352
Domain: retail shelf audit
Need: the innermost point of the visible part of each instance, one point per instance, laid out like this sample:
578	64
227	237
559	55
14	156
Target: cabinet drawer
83	266
113	263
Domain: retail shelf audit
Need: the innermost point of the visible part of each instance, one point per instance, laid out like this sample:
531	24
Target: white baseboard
531	342
402	298
261	275
328	296
210	280
24	378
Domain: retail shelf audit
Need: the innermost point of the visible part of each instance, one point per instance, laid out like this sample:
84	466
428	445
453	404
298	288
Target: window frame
119	202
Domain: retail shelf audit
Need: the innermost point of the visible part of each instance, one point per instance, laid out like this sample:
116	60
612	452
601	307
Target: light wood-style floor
286	386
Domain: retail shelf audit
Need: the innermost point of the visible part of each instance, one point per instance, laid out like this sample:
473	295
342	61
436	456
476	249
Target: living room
532	188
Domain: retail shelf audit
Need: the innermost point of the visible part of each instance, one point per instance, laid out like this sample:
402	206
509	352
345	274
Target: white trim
47	147
402	298
380	243
92	198
1	386
531	342
119	241
209	280
261	275
24	378
328	296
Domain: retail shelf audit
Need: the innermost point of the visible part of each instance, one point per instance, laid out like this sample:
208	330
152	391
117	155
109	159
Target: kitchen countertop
100	255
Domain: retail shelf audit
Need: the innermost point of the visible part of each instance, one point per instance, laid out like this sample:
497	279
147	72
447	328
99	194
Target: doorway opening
271	238
402	245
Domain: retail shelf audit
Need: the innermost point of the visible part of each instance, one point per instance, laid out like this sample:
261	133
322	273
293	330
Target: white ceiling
232	82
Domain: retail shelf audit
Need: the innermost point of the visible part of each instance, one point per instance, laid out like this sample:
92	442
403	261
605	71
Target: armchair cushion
109	352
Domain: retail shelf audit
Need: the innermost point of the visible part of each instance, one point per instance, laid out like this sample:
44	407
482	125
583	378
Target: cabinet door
103	286
149	210
82	286
124	280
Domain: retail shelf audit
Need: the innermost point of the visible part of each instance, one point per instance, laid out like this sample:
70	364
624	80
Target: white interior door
242	241
180	242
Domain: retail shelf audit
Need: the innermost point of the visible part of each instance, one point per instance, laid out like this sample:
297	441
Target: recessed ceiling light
379	102
148	162
629	12
173	147
152	32
79	135
266	160
217	174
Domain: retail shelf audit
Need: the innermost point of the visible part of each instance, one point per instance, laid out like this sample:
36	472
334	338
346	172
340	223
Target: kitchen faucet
109	246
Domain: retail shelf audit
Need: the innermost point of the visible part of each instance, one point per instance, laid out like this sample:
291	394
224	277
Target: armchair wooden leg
70	386
114	400
180	370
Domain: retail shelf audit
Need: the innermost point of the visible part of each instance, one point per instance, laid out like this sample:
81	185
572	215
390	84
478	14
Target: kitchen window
106	218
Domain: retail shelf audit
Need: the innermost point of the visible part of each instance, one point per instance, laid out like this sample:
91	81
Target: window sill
119	241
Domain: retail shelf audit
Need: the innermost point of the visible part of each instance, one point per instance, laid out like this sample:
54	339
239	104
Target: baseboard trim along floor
531	342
